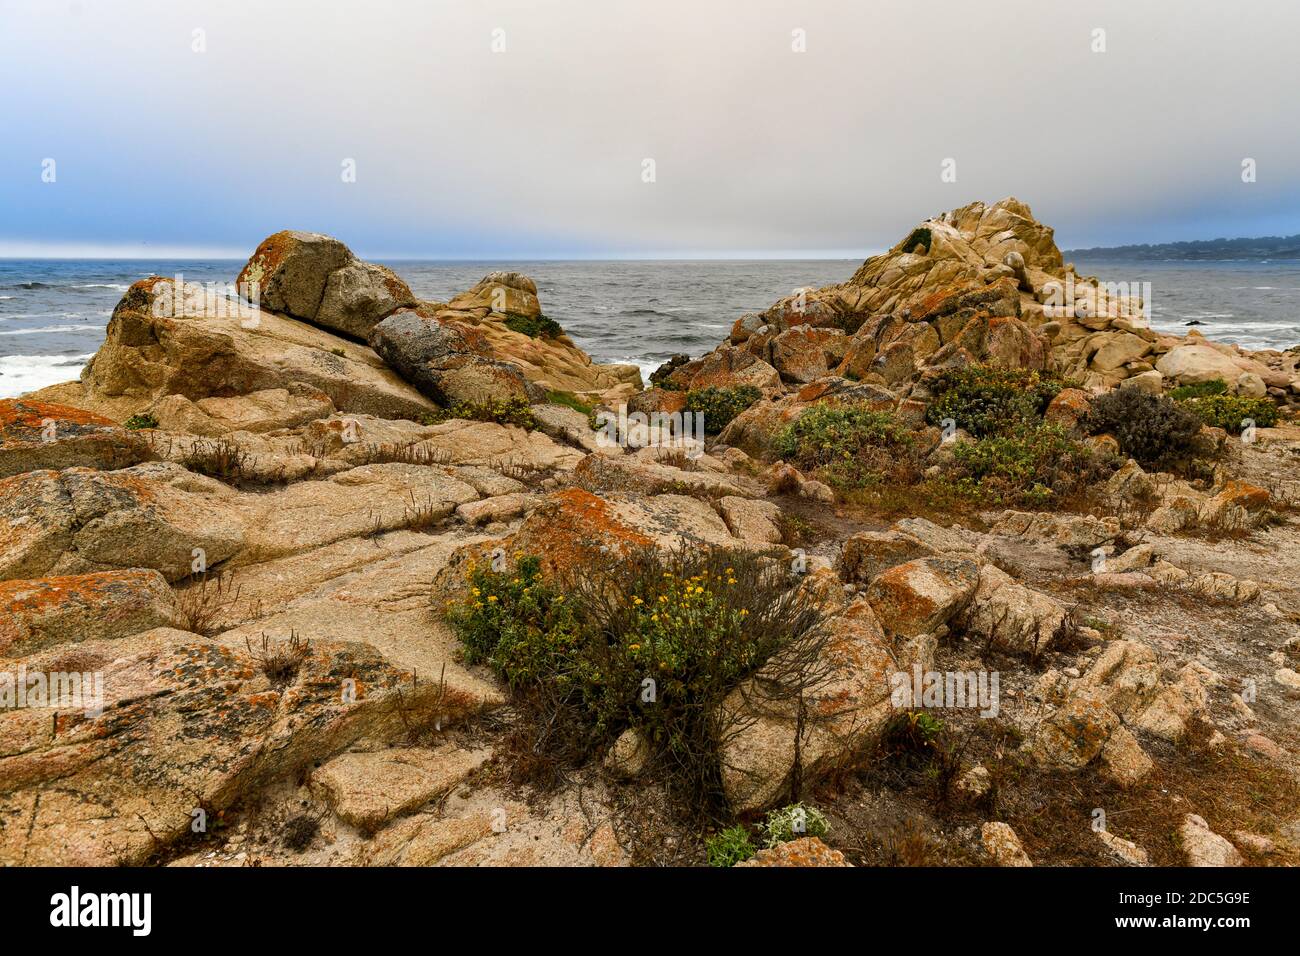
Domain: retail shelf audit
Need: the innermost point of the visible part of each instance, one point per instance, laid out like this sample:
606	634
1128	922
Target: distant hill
1266	247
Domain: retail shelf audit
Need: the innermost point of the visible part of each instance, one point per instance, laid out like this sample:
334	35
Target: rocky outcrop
982	283
501	319
317	279
321	698
919	596
843	708
36	435
42	612
186	726
447	363
161	342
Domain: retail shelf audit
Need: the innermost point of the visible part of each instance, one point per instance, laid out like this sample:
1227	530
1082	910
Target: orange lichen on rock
807	851
570	527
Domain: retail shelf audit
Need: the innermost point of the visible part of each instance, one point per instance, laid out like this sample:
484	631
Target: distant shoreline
1260	249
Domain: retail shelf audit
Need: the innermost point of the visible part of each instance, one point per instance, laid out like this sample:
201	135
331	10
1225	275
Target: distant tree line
1265	247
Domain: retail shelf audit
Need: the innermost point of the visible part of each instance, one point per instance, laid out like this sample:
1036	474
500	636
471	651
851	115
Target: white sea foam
48	328
20	374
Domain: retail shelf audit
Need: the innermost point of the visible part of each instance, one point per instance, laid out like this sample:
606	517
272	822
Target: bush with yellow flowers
646	640
515	622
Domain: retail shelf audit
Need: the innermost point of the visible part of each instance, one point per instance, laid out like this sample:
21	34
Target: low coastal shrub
1154	430
510	411
534	326
720	405
648	641
1033	463
139	421
793	823
569	400
1215	386
1232	413
911	735
985	400
729	847
853	441
837	433
516	623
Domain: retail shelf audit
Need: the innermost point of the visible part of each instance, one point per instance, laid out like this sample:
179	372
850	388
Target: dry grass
218	458
280	661
202	601
414	453
426	722
421	516
1052	811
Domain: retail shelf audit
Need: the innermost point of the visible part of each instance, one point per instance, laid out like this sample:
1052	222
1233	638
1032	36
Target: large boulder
359	295
317	279
1005	614
163	341
36	435
446	362
289	271
156	515
35	614
726	367
508	293
184	728
1193	362
805	354
1012	344
917	597
770	730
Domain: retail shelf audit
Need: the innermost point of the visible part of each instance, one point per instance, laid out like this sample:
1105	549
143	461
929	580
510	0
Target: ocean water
53	312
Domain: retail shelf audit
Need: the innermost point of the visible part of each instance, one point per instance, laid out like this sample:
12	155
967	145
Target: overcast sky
539	150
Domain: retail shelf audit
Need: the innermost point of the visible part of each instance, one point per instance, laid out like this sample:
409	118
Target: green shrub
720	405
1154	430
985	400
792	823
729	847
510	411
1031	464
826	435
911	735
919	236
140	420
569	400
646	640
1229	411
1215	386
534	326
516	623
